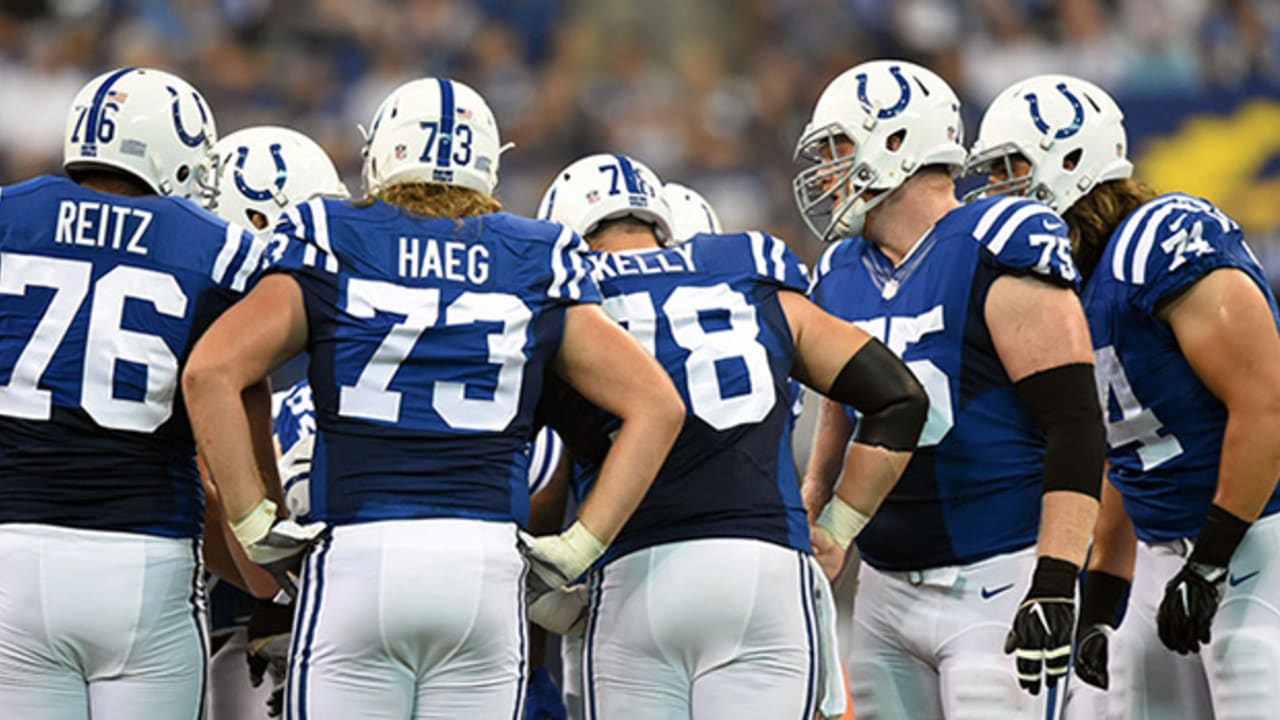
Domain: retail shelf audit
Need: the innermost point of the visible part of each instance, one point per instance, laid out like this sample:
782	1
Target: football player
251	177
704	605
992	518
429	317
1184	329
107	278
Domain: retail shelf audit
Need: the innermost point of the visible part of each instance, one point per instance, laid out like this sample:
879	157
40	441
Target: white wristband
843	521
253	527
584	546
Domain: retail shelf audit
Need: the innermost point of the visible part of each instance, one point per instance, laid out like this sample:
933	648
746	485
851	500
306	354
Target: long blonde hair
435	200
1094	217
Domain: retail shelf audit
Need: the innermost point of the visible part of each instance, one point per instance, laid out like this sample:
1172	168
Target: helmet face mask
899	118
143	122
263	171
830	192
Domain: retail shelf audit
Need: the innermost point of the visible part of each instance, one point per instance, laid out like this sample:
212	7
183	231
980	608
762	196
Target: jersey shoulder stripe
1025	235
568	268
1166	223
837	255
241	250
773	261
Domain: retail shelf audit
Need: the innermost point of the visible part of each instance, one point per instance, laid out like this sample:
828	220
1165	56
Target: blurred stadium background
712	93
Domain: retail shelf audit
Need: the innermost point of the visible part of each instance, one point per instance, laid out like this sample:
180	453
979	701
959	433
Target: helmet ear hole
183	173
1071	160
896	140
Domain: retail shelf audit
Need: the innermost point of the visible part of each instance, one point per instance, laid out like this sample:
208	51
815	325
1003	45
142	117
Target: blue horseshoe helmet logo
1064	132
252	193
186	138
904	96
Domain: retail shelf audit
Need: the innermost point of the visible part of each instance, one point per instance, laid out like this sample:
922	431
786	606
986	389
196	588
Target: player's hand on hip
557	560
1040	639
1190	601
1092	649
277	545
827	552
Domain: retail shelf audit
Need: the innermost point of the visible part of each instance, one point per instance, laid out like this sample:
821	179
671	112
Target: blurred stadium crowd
711	93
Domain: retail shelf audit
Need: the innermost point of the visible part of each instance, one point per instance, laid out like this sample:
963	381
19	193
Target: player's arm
1040	334
1042	339
1225	329
259	333
1106	583
845	364
223	555
612	371
826	456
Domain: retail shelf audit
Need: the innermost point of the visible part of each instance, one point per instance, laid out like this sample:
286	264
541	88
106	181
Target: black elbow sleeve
893	404
1064	403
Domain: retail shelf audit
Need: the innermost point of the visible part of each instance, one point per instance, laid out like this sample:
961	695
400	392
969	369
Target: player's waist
151	505
769	532
948	576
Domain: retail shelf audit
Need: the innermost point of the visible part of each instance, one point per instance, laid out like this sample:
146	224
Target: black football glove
1092	647
1190	601
1042	628
267	653
1191	598
1099	609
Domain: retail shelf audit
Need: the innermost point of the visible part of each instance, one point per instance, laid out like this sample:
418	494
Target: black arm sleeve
1064	402
893	404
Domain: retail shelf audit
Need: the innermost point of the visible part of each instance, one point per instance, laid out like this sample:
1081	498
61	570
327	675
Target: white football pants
702	629
1236	678
100	624
930	643
410	619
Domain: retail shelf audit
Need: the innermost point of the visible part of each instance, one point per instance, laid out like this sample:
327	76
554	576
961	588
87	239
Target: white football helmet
148	123
264	170
871	105
604	187
433	130
691	214
1069	129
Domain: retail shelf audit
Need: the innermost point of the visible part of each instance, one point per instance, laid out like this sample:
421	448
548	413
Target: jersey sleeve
774	263
296	247
1025	236
571	280
1179	242
240	261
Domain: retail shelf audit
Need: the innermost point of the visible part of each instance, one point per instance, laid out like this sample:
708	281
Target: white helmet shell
433	130
266	169
147	123
604	187
691	214
870	105
1069	129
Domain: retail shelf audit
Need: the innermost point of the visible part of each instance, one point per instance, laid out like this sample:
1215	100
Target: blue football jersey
295	416
428	343
708	310
102	297
972	489
1164	427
